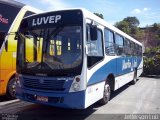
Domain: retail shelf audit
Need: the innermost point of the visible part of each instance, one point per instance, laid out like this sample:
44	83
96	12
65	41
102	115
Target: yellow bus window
59	47
29	48
55	49
39	51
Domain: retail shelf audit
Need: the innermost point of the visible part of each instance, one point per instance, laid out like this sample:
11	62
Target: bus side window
140	51
136	49
127	48
95	49
29	48
109	42
132	48
119	44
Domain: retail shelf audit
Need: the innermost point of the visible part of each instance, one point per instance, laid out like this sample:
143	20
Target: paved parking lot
141	98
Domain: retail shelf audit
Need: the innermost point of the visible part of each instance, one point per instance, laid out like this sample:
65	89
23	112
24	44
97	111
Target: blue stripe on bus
115	67
66	100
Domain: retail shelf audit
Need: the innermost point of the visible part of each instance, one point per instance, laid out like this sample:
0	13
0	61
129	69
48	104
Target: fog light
76	86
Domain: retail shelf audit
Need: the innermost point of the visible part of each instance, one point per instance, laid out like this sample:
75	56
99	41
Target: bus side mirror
93	32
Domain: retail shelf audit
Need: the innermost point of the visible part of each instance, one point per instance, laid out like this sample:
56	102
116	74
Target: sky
147	11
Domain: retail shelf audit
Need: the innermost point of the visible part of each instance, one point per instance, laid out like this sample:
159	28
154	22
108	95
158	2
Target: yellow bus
11	14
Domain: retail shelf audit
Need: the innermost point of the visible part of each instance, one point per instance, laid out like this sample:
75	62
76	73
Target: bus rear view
49	59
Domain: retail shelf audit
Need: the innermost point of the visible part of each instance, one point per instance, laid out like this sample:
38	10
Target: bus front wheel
106	94
11	89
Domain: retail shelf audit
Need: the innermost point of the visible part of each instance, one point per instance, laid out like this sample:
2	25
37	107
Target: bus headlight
76	86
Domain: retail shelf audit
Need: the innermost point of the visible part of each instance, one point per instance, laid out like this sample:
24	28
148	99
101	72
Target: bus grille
43	84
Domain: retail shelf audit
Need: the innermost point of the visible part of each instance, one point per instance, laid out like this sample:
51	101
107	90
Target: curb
9	102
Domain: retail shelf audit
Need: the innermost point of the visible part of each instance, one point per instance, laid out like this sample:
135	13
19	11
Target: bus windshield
51	51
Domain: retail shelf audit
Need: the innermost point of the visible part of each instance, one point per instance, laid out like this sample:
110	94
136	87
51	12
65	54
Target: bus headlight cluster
76	86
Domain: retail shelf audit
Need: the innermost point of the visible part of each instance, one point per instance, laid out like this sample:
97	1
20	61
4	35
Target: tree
150	37
130	25
156	27
152	34
133	21
99	15
124	26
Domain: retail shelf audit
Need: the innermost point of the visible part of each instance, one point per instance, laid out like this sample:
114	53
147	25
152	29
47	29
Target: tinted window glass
119	44
95	47
28	13
109	42
127	47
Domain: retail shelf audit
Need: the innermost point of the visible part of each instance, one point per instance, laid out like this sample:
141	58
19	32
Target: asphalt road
141	98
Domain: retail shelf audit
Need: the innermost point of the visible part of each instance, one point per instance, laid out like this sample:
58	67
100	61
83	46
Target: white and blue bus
72	59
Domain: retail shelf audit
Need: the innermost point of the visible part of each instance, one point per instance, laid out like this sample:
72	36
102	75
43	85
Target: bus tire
106	94
133	82
11	89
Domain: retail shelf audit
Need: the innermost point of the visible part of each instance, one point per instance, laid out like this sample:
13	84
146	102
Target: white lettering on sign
135	64
126	65
45	20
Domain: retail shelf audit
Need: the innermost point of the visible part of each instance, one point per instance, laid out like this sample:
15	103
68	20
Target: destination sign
52	19
46	20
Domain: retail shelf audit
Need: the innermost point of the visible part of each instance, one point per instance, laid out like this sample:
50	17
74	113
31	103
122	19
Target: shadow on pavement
41	112
3	98
151	76
154	76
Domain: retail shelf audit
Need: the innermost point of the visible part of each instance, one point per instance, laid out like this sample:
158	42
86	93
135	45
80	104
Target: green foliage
124	26
129	25
152	34
150	37
133	21
99	15
152	61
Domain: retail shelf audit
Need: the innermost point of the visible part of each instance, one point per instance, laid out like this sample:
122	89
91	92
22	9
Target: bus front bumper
74	100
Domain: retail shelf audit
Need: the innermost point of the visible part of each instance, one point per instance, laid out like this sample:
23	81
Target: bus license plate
42	98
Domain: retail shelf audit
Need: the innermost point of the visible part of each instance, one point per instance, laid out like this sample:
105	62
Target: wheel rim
106	92
12	89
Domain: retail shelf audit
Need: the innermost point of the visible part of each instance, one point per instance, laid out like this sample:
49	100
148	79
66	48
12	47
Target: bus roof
90	15
12	3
